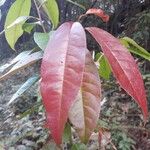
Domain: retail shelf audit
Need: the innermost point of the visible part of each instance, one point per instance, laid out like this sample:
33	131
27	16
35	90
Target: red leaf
123	66
61	71
84	113
98	12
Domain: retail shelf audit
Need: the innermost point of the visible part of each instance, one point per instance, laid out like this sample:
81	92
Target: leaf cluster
69	81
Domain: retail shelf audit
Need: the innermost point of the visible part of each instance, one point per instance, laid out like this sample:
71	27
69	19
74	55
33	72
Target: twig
40	18
75	3
41	4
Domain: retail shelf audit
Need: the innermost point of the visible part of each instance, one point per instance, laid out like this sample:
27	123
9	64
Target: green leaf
18	21
79	146
27	27
97	56
133	47
67	137
24	88
41	39
51	9
104	67
18	8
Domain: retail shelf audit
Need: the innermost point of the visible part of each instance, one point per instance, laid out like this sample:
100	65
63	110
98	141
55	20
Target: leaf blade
84	113
15	60
24	88
22	63
104	67
41	39
133	47
98	12
12	34
58	87
28	27
51	8
121	63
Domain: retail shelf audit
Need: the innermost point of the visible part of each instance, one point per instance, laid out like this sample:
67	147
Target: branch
40	18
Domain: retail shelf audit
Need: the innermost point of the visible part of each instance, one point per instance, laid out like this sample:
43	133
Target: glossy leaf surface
84	113
61	71
98	12
18	8
123	66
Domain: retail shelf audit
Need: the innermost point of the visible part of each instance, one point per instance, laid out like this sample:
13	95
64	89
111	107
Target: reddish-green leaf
98	12
84	113
62	71
123	66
